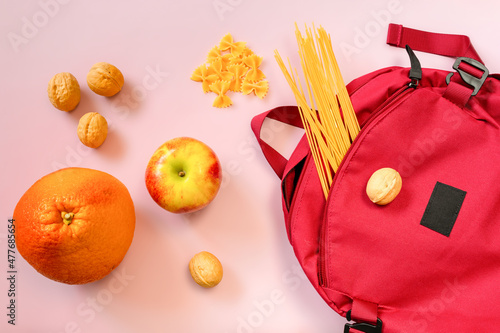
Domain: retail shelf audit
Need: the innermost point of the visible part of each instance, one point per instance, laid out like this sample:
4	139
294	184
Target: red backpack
430	260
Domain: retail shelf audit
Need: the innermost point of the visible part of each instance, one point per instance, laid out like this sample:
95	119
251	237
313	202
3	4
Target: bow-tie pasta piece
221	88
239	72
236	48
258	88
213	54
223	74
253	62
206	76
239	59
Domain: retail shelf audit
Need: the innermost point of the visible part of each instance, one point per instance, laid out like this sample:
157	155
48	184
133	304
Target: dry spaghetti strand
324	105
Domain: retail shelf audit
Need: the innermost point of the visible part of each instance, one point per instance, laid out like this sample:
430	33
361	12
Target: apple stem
182	173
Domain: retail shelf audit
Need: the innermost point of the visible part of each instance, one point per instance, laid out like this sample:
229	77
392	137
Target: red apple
183	175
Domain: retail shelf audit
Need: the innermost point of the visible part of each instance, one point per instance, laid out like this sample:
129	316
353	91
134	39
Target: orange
75	225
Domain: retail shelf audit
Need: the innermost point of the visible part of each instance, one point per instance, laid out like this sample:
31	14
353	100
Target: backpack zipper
382	109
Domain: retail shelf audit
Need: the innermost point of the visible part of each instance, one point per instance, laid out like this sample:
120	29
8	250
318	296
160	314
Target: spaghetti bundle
325	107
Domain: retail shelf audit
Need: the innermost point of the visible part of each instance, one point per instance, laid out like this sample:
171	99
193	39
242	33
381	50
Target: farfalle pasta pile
231	66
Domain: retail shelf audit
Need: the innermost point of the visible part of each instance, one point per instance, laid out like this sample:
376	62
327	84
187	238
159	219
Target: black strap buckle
362	327
468	78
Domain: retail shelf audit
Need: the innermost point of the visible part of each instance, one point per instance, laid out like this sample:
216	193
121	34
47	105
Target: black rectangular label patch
443	208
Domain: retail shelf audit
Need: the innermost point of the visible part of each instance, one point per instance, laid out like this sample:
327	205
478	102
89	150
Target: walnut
64	91
206	269
92	129
383	186
105	79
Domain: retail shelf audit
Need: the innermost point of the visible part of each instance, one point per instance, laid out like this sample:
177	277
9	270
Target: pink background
263	289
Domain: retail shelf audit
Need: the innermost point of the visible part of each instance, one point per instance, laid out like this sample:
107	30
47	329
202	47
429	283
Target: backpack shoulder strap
443	44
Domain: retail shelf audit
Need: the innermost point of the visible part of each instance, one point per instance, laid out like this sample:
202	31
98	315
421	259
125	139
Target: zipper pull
415	70
413	83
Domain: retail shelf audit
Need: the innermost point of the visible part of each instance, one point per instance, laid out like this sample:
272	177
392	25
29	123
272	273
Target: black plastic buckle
415	73
468	78
362	327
